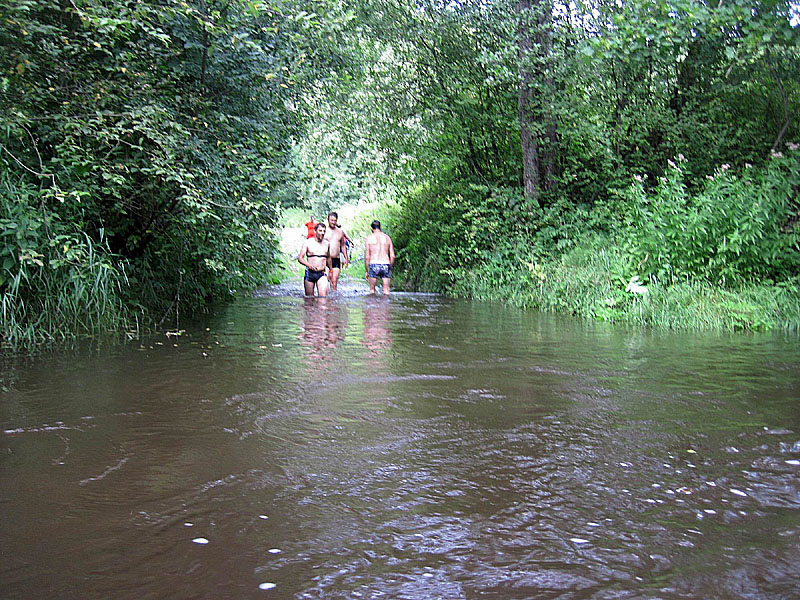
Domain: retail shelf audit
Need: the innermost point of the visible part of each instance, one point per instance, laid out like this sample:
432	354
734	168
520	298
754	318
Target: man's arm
391	252
301	256
366	256
329	261
344	248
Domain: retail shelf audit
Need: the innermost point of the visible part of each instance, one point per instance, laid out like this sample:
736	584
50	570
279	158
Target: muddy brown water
409	447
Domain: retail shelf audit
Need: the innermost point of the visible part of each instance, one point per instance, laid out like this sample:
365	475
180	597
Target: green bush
740	227
446	229
150	131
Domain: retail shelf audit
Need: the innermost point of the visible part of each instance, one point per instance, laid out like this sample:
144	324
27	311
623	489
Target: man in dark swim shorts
314	276
378	257
336	236
379	270
316	257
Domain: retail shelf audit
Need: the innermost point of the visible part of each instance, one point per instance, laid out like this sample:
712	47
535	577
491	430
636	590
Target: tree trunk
530	145
544	39
204	63
537	126
525	114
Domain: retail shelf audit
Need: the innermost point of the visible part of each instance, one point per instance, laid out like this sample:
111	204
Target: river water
411	447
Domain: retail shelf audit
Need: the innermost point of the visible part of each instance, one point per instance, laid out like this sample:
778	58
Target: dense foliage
740	226
147	148
156	134
666	131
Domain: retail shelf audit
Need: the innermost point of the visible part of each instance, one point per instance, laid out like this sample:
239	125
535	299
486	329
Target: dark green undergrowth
142	155
56	282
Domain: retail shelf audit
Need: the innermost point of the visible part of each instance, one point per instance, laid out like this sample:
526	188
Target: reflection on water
324	326
403	447
377	337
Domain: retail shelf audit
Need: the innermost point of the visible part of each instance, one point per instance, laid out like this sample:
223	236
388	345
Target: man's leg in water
322	286
334	279
308	287
385	285
372	282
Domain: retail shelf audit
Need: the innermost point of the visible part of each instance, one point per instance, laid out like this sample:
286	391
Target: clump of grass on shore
601	283
73	290
56	282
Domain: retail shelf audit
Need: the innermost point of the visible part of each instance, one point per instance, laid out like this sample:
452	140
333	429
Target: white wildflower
635	286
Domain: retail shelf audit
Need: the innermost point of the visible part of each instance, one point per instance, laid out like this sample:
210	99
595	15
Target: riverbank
592	283
589	283
718	253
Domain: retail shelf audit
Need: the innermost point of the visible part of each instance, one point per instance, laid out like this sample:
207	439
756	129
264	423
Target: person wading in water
378	257
315	255
336	236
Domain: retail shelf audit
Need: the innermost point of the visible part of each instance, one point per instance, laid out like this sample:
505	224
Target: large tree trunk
530	144
537	126
544	39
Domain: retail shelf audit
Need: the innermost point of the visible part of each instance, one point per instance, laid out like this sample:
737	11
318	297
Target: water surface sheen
410	447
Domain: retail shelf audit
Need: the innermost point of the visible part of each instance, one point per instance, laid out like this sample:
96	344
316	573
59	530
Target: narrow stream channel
411	447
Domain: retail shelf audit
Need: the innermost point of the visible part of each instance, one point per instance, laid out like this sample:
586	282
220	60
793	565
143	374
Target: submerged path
403	447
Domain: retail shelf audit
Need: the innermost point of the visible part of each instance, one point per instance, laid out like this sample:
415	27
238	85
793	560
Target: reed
56	283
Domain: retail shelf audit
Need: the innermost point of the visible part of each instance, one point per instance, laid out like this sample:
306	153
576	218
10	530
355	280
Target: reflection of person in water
324	326
377	332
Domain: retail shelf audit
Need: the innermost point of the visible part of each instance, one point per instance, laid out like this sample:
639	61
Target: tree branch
786	117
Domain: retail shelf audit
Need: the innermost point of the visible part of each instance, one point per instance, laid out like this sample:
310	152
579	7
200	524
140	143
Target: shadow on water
404	447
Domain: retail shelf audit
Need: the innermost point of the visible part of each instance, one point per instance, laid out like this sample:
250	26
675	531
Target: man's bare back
378	245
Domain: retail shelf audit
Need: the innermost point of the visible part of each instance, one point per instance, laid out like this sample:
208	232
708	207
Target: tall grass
56	282
592	281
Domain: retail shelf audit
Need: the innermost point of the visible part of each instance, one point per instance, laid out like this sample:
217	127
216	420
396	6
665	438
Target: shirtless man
315	255
378	257
336	235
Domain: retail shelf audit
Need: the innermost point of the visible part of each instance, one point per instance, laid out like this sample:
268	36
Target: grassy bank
722	253
594	282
